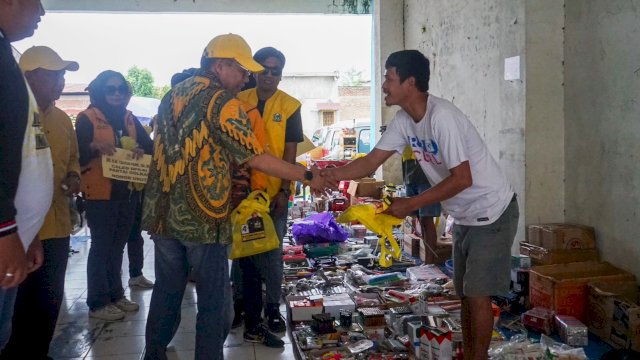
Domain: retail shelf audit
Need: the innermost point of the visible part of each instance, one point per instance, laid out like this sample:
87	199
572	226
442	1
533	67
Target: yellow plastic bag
379	223
252	227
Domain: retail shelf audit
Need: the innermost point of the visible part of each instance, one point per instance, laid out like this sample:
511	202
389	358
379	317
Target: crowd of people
215	140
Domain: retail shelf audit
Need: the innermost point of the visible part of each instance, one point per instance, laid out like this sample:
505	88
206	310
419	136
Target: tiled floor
78	337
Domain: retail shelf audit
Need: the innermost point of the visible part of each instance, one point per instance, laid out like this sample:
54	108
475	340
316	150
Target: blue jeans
7	299
210	264
110	223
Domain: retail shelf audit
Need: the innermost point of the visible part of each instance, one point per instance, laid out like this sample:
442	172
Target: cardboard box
334	303
614	313
563	287
572	331
539	319
435	344
302	308
558	236
443	250
366	187
543	256
412	245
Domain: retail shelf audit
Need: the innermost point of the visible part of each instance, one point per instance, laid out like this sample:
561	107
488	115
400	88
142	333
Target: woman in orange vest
110	204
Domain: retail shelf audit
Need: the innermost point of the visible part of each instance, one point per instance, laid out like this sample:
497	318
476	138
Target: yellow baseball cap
232	46
45	58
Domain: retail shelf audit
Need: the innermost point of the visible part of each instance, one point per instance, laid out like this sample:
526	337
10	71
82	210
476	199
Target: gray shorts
482	255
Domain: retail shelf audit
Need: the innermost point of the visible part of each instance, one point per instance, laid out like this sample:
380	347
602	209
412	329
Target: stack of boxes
567	278
614	313
559	243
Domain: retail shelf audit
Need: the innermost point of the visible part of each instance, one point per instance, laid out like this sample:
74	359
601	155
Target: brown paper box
563	287
543	256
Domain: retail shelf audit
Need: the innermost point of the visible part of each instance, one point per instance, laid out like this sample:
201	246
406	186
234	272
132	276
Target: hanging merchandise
252	227
371	216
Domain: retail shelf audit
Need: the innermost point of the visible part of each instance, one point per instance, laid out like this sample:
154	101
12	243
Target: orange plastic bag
252	227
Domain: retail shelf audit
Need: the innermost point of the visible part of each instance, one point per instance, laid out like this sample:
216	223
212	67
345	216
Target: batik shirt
201	131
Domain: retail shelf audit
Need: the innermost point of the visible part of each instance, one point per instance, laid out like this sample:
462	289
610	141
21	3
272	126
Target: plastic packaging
252	227
318	228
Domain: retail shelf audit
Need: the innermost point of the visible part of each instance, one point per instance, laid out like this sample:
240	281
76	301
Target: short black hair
267	52
206	62
410	63
182	76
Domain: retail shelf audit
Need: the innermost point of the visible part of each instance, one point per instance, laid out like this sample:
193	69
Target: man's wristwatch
308	176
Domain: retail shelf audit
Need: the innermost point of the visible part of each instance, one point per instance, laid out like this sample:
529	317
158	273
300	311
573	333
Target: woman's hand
103	148
137	153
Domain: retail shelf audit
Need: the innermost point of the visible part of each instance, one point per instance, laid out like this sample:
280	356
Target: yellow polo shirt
64	155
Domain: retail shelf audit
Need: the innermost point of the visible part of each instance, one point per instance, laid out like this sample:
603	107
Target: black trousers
135	245
38	304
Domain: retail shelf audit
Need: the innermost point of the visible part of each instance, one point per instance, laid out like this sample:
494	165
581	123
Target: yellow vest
278	108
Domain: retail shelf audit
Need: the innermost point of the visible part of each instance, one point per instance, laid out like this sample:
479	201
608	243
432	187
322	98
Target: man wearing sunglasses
201	131
283	132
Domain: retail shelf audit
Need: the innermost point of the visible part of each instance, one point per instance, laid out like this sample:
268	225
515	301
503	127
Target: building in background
324	102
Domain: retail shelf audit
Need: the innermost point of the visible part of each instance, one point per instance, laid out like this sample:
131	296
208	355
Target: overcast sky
167	43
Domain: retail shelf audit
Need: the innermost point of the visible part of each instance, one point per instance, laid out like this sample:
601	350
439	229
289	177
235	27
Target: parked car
344	140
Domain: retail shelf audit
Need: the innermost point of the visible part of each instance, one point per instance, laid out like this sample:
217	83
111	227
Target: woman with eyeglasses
110	204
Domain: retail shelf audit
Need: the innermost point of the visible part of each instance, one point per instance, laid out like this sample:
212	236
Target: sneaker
141	282
108	313
261	334
125	304
276	322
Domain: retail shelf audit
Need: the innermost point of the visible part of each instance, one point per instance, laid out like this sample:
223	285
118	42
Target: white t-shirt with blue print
442	140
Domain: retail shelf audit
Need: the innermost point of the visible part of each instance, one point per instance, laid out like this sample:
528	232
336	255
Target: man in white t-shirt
467	181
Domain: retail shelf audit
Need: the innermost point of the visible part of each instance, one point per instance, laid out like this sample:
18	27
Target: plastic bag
318	228
379	223
252	227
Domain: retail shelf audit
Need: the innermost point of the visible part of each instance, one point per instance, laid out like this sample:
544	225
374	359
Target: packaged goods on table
539	319
572	331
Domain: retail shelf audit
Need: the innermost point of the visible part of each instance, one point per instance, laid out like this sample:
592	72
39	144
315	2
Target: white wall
467	42
311	90
602	106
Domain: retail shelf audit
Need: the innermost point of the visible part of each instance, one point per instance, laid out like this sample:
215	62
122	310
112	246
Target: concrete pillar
388	32
545	124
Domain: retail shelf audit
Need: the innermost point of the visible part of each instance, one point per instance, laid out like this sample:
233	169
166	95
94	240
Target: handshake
326	180
323	181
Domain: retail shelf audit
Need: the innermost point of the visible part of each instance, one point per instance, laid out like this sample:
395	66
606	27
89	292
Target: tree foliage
352	77
141	81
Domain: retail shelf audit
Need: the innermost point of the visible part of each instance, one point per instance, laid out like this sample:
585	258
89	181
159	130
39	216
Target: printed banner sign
122	166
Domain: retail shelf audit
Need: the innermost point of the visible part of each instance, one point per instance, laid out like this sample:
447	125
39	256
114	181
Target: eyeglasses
271	71
111	90
237	65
